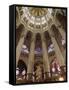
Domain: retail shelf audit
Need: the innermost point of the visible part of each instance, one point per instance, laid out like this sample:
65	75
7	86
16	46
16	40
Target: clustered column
63	35
45	58
30	67
19	46
57	49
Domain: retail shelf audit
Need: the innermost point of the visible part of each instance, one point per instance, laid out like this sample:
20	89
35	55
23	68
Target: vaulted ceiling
36	18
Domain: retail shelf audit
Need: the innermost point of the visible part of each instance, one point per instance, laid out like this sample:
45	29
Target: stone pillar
63	34
19	46
45	58
57	49
31	58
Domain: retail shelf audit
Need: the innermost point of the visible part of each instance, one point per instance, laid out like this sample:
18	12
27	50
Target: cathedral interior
40	44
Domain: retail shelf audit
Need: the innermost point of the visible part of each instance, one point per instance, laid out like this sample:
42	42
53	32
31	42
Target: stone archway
21	65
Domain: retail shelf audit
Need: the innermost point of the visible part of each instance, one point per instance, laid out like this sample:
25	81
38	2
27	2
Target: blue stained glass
38	49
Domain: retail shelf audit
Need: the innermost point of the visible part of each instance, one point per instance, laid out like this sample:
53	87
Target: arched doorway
21	70
21	65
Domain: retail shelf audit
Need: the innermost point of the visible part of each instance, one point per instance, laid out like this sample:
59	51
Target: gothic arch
21	65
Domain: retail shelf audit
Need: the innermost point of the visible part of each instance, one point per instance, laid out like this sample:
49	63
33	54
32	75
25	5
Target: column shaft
31	57
45	57
19	46
63	35
57	50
